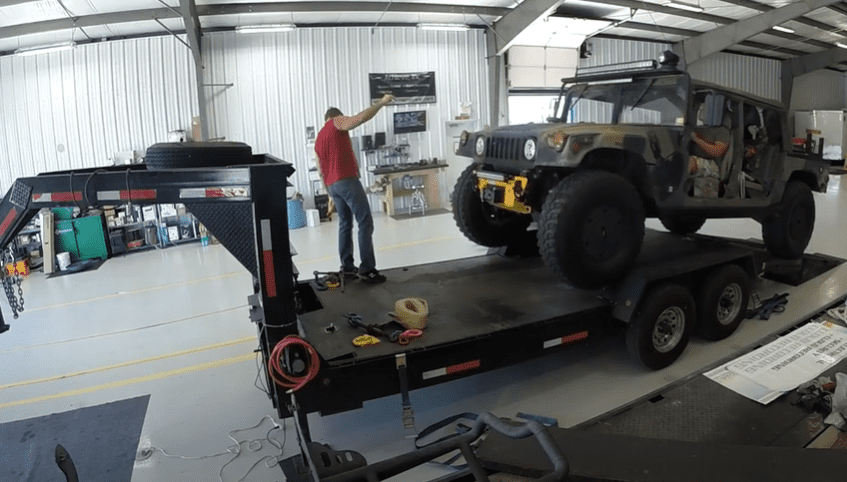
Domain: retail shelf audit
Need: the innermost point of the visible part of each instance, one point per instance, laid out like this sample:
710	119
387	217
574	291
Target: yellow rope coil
412	313
365	340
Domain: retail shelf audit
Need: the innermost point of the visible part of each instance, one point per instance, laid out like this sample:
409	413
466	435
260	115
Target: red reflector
270	279
575	337
462	367
139	194
65	196
214	193
8	221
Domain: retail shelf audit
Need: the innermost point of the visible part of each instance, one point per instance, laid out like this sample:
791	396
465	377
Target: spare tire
177	155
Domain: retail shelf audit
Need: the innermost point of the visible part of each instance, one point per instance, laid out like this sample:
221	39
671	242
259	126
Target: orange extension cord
284	379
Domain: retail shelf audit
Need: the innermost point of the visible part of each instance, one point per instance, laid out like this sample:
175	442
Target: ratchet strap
774	304
412	313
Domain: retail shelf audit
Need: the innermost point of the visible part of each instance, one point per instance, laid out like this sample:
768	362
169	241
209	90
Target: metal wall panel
284	82
753	75
77	109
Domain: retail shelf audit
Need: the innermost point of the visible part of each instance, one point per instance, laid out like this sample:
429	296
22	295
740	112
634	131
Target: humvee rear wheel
788	233
682	224
481	222
591	228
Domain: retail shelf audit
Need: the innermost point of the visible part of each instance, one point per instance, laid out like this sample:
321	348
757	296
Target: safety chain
9	282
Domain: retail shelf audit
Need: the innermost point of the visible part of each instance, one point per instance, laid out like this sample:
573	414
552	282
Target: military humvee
630	141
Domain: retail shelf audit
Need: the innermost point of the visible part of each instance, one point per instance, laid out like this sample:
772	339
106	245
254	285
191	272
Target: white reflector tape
109	195
215	192
266	235
566	339
434	373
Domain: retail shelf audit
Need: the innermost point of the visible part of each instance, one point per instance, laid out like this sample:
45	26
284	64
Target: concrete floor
173	323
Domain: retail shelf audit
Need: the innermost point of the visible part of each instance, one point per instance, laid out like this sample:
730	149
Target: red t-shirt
335	154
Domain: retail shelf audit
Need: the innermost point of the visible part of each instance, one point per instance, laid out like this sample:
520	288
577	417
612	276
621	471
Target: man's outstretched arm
349	123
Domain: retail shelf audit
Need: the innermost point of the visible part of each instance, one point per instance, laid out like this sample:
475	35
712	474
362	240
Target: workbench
429	172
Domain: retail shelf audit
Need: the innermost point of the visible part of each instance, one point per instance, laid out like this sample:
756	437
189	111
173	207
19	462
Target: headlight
557	140
464	138
480	146
529	149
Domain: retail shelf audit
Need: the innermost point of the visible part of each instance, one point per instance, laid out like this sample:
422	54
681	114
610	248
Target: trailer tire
181	155
722	302
481	222
787	234
684	224
591	228
660	330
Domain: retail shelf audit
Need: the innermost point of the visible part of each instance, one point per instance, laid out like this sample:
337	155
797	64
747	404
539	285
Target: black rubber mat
101	440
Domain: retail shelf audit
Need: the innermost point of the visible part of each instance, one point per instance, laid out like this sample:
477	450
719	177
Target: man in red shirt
340	173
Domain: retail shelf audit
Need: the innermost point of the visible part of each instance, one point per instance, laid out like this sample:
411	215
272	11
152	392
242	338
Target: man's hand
386	99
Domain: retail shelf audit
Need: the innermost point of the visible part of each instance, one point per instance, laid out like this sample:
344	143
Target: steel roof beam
188	8
705	17
767	8
507	29
805	64
238	9
714	41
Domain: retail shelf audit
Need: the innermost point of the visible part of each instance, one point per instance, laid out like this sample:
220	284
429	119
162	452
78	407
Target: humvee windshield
651	101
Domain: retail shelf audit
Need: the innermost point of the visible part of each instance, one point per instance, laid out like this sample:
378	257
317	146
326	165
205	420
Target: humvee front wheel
788	233
481	222
591	228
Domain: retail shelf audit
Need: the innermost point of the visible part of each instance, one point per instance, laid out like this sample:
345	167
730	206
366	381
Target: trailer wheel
481	222
179	155
683	224
722	302
591	228
661	328
788	233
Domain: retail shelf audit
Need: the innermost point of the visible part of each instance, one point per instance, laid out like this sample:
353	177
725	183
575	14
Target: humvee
628	142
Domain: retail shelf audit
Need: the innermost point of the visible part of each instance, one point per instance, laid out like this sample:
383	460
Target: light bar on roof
45	49
841	45
279	27
615	68
780	28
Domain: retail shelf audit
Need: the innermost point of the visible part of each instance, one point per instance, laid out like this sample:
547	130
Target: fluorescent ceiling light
45	49
783	29
443	26
839	44
279	27
685	6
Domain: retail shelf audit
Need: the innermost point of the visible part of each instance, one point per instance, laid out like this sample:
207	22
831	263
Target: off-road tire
180	155
787	233
682	224
591	228
722	302
481	222
661	328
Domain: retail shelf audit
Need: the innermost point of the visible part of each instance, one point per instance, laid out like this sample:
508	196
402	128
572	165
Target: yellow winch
503	191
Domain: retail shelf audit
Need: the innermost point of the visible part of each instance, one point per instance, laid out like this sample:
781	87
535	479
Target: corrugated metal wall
77	109
284	82
760	77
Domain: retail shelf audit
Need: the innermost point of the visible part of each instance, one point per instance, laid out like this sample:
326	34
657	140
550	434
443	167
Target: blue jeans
350	200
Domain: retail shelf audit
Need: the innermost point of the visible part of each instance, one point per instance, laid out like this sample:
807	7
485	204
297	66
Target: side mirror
714	106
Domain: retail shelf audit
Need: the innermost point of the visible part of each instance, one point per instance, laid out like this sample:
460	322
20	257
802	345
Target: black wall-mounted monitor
379	139
411	121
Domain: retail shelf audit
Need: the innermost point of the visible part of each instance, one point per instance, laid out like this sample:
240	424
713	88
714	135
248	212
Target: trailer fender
627	296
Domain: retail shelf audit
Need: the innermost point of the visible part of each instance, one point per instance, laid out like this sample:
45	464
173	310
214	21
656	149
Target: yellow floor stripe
134	362
383	248
143	290
132	381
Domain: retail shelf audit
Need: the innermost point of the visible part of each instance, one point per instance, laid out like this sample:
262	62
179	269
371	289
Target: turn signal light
557	140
